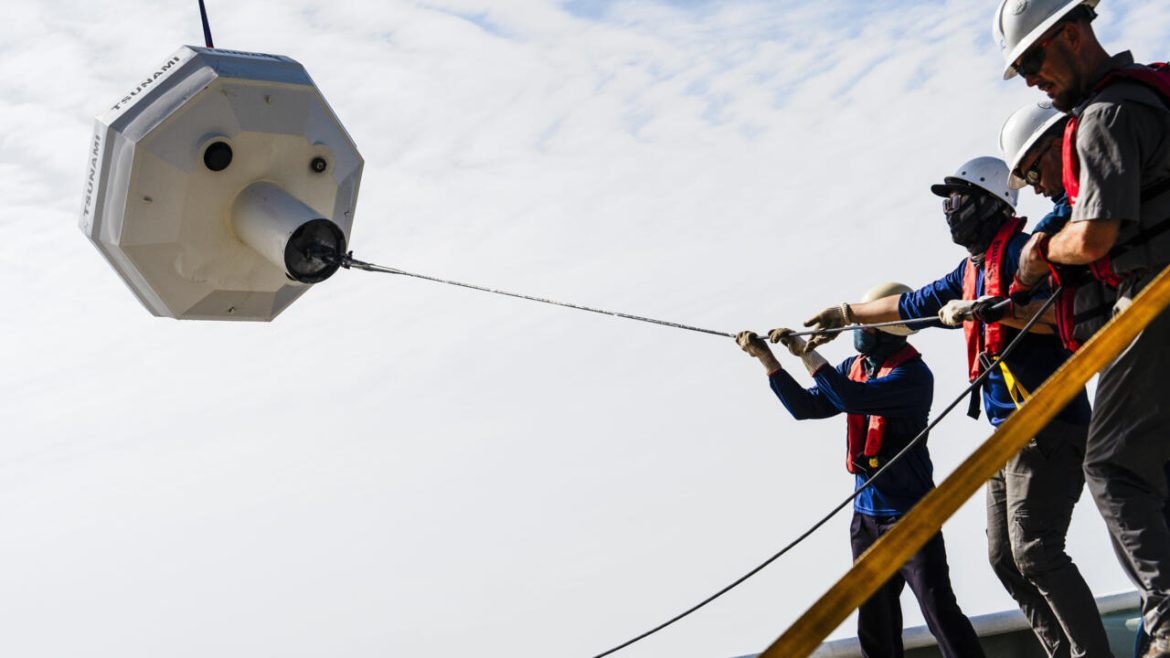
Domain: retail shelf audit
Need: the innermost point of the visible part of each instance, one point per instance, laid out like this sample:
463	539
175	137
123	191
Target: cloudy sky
398	468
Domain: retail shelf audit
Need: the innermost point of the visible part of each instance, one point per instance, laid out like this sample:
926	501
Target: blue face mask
866	342
877	344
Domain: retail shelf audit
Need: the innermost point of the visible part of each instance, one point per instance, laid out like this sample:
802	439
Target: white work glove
807	352
833	317
954	312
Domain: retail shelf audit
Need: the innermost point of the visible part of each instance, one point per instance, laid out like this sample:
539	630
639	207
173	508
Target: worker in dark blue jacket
1030	501
886	392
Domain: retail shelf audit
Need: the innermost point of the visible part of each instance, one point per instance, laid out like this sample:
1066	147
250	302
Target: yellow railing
884	558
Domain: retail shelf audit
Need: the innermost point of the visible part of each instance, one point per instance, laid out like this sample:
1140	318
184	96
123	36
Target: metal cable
348	262
816	526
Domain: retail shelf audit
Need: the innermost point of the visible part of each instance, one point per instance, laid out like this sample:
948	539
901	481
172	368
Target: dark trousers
879	620
1029	507
1126	461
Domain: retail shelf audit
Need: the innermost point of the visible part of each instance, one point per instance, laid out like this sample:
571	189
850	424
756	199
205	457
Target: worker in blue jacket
1030	501
886	392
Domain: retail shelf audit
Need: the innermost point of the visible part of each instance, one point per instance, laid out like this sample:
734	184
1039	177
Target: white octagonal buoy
222	187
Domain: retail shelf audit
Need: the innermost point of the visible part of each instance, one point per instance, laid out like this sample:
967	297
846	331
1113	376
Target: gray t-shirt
1123	144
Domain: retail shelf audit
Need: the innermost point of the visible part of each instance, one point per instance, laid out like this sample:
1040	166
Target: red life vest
1157	78
989	339
1066	322
866	440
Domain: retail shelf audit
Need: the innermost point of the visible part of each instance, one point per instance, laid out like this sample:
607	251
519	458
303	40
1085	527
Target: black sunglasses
1032	175
1030	62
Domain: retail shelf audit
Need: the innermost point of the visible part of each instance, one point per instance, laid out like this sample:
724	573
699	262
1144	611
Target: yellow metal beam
884	558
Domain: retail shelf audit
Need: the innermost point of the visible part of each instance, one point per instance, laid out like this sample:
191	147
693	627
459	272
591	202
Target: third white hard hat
1020	23
987	173
1021	131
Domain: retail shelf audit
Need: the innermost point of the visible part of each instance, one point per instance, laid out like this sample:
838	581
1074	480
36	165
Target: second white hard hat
986	173
1020	23
1020	133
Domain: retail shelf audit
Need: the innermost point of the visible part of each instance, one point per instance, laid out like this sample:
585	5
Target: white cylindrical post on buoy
287	233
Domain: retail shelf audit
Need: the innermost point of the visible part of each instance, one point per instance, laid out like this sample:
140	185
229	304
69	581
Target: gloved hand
833	317
985	309
1020	293
811	359
990	309
755	346
954	312
752	344
785	337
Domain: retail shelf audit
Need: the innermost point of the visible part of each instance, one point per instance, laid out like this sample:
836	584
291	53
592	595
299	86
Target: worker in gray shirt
1116	171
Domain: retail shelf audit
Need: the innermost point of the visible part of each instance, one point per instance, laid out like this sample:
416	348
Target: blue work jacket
1032	361
903	397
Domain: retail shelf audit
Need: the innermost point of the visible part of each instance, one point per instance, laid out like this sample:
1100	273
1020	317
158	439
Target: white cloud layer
397	468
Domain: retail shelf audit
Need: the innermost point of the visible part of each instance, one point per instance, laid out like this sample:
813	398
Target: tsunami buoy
222	187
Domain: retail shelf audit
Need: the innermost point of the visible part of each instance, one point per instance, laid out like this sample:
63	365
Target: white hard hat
1020	23
1021	131
986	173
885	290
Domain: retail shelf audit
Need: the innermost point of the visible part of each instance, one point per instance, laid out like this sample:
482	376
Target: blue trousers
879	620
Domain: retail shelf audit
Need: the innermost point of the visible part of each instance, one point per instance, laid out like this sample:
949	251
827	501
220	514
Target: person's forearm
1020	315
770	363
1081	243
879	310
1078	243
1044	326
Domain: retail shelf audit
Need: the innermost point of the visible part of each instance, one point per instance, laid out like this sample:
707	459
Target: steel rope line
816	526
348	261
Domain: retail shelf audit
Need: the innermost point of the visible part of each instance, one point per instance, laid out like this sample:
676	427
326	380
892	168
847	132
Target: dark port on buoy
217	156
318	164
314	251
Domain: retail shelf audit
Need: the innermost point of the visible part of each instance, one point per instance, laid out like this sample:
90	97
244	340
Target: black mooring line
348	261
816	526
206	25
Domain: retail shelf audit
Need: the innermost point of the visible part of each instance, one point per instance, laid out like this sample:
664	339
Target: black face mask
974	218
877	345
